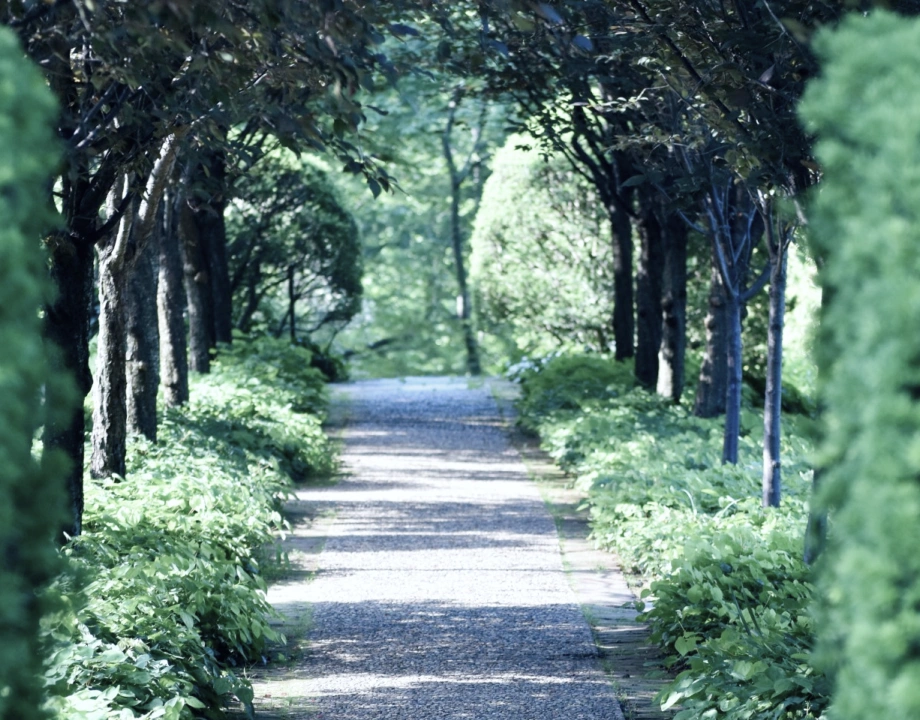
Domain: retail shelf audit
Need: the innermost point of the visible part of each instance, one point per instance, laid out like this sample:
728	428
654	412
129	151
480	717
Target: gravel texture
440	592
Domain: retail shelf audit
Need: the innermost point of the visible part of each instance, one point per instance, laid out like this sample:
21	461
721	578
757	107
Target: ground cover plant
723	585
171	562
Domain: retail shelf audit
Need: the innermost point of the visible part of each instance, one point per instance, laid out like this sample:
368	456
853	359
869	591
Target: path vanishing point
429	582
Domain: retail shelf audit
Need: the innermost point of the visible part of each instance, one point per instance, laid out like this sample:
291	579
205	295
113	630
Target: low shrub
172	603
564	382
725	591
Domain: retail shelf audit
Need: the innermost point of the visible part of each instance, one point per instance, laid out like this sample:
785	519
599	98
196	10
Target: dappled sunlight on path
440	591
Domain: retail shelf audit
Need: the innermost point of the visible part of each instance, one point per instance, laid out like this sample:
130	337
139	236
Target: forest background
521	180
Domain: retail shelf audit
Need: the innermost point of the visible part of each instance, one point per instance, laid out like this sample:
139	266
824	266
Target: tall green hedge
29	491
865	223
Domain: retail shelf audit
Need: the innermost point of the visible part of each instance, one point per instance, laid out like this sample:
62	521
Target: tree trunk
733	310
457	177
648	298
253	298
119	255
674	310
713	383
110	414
67	328
171	305
221	297
197	290
143	342
773	401
213	229
292	303
623	312
463	298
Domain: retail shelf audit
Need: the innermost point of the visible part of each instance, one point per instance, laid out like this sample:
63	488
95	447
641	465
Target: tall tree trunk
672	352
773	401
213	229
143	343
119	255
623	304
110	414
713	382
171	305
292	303
733	310
464	314
253	298
457	177
648	297
219	272
67	328
197	290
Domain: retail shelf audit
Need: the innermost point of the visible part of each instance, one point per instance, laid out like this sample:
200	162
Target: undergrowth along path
440	592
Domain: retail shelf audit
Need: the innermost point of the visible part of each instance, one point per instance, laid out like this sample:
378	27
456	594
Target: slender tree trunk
292	303
463	299
733	392
713	382
648	299
623	304
457	177
253	298
773	401
171	305
67	328
197	290
674	310
143	343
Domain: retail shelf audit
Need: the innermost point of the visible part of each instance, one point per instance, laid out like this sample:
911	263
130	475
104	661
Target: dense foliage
727	591
293	250
541	254
173	606
31	497
865	111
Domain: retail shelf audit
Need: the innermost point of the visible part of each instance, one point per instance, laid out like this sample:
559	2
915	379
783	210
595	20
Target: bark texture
713	382
623	297
143	344
67	328
171	304
197	290
119	255
733	309
648	296
773	400
671	355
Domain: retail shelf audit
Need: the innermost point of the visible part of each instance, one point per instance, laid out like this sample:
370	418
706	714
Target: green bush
173	608
31	494
865	225
727	593
541	257
565	382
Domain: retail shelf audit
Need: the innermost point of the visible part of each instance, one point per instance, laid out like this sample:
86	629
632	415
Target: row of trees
162	107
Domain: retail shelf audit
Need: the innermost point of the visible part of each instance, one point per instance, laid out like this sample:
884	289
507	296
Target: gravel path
440	593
